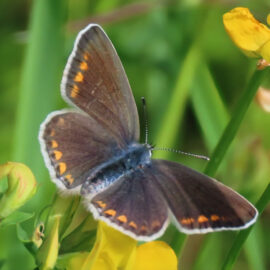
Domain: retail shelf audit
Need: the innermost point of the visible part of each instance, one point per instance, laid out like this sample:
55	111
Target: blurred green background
176	54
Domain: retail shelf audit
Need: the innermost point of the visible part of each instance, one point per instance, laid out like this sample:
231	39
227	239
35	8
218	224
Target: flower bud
263	99
48	252
22	186
38	235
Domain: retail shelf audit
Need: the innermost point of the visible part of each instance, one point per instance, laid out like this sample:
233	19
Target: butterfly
93	150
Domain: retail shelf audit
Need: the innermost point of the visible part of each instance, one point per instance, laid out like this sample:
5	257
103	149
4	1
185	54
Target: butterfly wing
94	80
72	144
199	203
133	205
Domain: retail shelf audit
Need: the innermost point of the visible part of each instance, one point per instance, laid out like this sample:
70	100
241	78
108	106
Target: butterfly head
138	155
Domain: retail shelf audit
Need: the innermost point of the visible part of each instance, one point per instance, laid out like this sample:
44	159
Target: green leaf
72	260
80	239
16	217
26	240
22	234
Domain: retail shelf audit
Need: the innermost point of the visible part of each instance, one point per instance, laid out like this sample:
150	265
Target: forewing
199	203
95	81
133	205
72	144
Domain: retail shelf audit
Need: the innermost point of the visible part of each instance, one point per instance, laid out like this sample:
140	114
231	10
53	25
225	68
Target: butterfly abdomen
134	158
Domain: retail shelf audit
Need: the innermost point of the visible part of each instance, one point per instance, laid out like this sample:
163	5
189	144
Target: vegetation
200	91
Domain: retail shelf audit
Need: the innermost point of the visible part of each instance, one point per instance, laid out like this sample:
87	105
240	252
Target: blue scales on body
135	157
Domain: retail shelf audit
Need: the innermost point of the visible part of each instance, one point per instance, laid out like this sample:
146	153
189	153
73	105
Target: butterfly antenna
181	152
145	120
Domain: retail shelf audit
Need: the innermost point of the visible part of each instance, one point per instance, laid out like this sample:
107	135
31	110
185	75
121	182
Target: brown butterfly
94	151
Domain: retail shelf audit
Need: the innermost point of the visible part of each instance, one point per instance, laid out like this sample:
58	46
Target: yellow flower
114	250
22	186
251	36
155	255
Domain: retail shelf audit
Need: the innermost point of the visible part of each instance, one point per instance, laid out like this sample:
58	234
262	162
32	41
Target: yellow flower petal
265	51
112	250
155	255
246	32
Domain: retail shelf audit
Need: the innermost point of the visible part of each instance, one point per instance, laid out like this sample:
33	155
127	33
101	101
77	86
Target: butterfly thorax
134	158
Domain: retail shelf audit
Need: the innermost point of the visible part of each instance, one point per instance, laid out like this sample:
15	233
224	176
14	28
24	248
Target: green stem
234	124
178	242
242	236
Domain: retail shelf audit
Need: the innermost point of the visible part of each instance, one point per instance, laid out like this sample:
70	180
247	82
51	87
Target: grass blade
234	124
173	118
40	79
253	249
208	106
39	93
242	236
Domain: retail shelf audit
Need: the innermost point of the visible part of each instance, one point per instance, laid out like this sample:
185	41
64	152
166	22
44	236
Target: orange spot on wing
202	219
74	91
52	133
110	212
122	218
86	56
155	224
187	221
83	66
53	144
60	121
101	204
214	218
78	77
143	229
57	155
69	179
132	224
62	167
